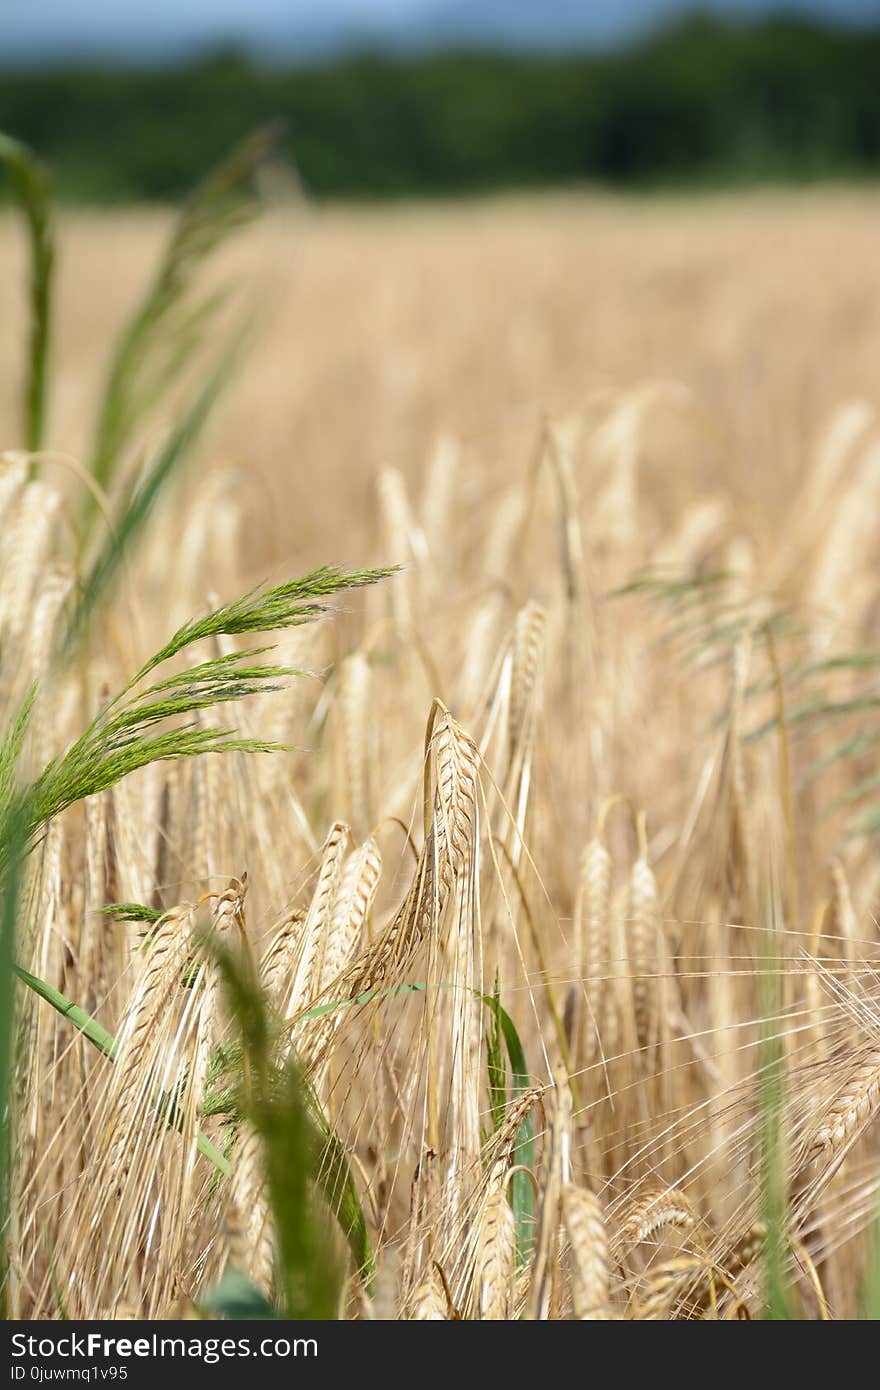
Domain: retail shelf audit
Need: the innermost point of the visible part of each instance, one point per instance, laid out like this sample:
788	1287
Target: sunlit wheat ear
55	588
228	912
853	1108
501	1147
142	1134
249	1231
352	706
169	946
584	1223
495	1259
446	856
528	651
279	957
658	1297
457	762
454	831
344	933
429	1302
621	981
303	984
692	1294
642	929
26	549
228	928
748	1248
420	1244
203	993
657	1208
594	953
354	898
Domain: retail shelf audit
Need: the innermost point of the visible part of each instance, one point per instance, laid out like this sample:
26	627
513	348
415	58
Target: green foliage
267	609
136	509
701	621
107	1045
121	739
14	832
173	322
94	1031
275	1100
148	721
496	1067
703	101
334	1173
334	1177
172	360
871	1279
283	1106
30	183
235	1297
160	346
132	912
522	1196
142	726
263	1085
11	745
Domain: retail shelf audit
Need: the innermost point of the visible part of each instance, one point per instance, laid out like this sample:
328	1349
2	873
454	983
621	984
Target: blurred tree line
701	102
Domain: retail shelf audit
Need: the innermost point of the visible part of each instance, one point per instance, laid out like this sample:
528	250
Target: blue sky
47	29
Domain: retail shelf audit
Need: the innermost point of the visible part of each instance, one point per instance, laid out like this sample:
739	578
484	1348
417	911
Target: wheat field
601	754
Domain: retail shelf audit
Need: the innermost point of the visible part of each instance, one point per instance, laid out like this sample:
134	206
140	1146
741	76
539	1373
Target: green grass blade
334	1177
496	1069
100	1038
166	328
14	831
11	745
871	1279
30	183
132	912
275	1099
236	1297
121	738
139	507
81	1020
522	1194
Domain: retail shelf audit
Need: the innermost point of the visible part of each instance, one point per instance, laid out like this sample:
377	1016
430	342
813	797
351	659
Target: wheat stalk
588	1253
